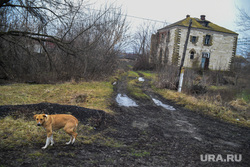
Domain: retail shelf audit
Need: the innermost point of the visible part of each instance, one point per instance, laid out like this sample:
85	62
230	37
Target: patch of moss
196	24
133	74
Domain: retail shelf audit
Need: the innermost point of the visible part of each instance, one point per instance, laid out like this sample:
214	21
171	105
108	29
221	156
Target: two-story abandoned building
209	45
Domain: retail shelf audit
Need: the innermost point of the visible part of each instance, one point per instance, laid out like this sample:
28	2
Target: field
94	95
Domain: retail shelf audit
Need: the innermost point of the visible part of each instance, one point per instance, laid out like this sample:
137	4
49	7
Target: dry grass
96	94
20	132
205	105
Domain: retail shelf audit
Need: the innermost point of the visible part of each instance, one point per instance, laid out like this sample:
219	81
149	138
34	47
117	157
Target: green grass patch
245	95
96	94
148	74
213	87
134	87
133	74
136	92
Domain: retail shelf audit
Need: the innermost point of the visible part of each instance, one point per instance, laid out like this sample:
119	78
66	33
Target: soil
150	135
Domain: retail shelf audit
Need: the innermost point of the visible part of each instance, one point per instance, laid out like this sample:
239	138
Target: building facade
209	46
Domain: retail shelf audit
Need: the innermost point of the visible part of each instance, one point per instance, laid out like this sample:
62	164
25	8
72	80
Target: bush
142	63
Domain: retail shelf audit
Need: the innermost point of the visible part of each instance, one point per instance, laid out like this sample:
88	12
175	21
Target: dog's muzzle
38	124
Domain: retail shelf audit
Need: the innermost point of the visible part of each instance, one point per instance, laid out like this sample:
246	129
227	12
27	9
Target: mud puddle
159	103
141	79
124	100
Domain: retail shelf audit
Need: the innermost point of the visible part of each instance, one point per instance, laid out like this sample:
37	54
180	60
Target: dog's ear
45	115
35	116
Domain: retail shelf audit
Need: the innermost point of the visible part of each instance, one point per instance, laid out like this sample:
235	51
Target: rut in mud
155	132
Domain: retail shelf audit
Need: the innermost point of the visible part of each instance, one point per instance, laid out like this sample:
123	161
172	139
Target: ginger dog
54	122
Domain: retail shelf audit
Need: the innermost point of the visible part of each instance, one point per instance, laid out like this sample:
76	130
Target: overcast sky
221	12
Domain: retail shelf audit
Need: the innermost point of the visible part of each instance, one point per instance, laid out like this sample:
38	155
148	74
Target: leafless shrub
168	77
142	63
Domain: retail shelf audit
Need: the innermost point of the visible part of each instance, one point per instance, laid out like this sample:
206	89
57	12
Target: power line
135	17
142	18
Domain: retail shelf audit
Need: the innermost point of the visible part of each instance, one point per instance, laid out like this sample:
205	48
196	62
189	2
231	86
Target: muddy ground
150	135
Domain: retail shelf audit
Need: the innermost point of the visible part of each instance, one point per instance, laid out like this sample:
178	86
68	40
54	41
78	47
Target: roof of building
200	24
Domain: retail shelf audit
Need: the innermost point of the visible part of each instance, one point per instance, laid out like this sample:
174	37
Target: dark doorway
205	60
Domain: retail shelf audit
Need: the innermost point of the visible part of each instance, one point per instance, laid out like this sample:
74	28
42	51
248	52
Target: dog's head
40	119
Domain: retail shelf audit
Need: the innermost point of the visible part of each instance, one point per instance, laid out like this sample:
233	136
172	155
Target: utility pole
181	74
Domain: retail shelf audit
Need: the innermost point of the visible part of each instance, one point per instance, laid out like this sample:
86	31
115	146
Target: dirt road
150	134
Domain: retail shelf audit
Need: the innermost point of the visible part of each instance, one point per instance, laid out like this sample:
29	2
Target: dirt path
179	137
149	135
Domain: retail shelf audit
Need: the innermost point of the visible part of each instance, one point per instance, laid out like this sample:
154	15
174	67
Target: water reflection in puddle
141	79
159	103
124	100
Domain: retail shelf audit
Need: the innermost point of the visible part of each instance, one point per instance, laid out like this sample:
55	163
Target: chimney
187	16
203	17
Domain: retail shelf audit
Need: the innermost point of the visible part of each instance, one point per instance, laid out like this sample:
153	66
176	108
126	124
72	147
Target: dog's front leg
49	139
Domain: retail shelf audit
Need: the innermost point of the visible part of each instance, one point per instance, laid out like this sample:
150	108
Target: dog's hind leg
69	141
70	129
74	134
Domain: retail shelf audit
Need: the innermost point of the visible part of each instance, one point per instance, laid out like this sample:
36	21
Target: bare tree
241	65
63	39
243	20
141	45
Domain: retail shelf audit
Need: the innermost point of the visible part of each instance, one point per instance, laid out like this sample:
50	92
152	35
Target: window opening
207	39
194	39
192	55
